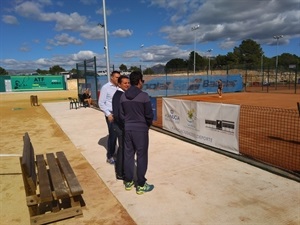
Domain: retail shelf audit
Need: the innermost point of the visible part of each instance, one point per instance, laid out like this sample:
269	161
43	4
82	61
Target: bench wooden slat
43	178
28	158
59	186
69	174
28	166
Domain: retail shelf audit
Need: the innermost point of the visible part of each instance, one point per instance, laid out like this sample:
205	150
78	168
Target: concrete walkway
192	185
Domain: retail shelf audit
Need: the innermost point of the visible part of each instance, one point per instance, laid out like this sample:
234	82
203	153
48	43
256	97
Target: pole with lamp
194	28
106	41
141	59
209	51
277	37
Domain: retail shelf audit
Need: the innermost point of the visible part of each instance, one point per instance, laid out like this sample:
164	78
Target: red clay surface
274	100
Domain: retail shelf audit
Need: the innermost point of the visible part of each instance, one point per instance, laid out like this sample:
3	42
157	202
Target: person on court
220	88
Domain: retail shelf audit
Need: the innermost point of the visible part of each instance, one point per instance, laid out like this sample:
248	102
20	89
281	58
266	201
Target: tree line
248	55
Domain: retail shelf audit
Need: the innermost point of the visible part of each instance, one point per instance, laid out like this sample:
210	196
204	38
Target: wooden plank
28	166
30	191
56	216
69	174
59	186
43	178
28	157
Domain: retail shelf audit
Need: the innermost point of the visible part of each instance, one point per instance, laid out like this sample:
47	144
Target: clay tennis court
269	128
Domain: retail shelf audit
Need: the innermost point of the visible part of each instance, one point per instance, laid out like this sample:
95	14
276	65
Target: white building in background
102	73
66	74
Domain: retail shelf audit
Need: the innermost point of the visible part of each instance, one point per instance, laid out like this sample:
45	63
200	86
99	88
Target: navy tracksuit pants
136	143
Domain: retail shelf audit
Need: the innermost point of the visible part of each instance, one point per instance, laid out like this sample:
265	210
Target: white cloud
24	48
108	12
239	20
29	9
63	40
122	33
10	19
88	2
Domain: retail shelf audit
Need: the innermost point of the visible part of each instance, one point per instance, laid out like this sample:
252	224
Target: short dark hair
121	78
135	77
113	72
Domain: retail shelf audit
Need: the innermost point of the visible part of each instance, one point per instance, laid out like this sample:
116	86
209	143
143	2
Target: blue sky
42	33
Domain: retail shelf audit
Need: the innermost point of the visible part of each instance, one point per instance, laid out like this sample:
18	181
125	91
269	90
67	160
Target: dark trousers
136	142
120	153
111	141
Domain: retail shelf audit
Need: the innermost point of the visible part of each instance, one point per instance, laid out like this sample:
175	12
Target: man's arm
102	101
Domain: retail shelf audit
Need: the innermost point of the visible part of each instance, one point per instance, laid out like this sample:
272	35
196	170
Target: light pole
193	29
209	51
141	59
277	37
106	41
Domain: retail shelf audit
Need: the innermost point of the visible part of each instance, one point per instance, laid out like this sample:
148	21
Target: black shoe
110	160
119	177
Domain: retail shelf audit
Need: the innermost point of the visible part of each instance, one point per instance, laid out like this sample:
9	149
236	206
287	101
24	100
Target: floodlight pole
106	41
209	51
193	29
141	59
277	37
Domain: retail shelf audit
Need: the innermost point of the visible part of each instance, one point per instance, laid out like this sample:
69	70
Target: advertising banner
190	85
37	83
213	124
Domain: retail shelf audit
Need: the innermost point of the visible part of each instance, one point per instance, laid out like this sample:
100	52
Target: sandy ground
18	117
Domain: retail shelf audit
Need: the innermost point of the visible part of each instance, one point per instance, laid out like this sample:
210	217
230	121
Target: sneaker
146	188
110	160
128	185
119	177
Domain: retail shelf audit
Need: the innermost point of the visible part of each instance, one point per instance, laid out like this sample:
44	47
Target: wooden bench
52	190
34	100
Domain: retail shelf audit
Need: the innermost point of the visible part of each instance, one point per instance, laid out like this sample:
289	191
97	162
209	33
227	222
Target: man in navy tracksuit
136	112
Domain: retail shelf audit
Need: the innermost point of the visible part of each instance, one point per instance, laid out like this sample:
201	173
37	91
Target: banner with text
38	83
213	124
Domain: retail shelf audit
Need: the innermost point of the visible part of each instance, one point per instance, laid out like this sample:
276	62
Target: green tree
249	53
123	67
42	71
176	64
134	68
232	59
3	71
287	59
56	69
73	71
221	61
148	71
200	61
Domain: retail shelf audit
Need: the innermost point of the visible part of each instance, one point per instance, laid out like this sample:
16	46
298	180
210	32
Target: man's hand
110	118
